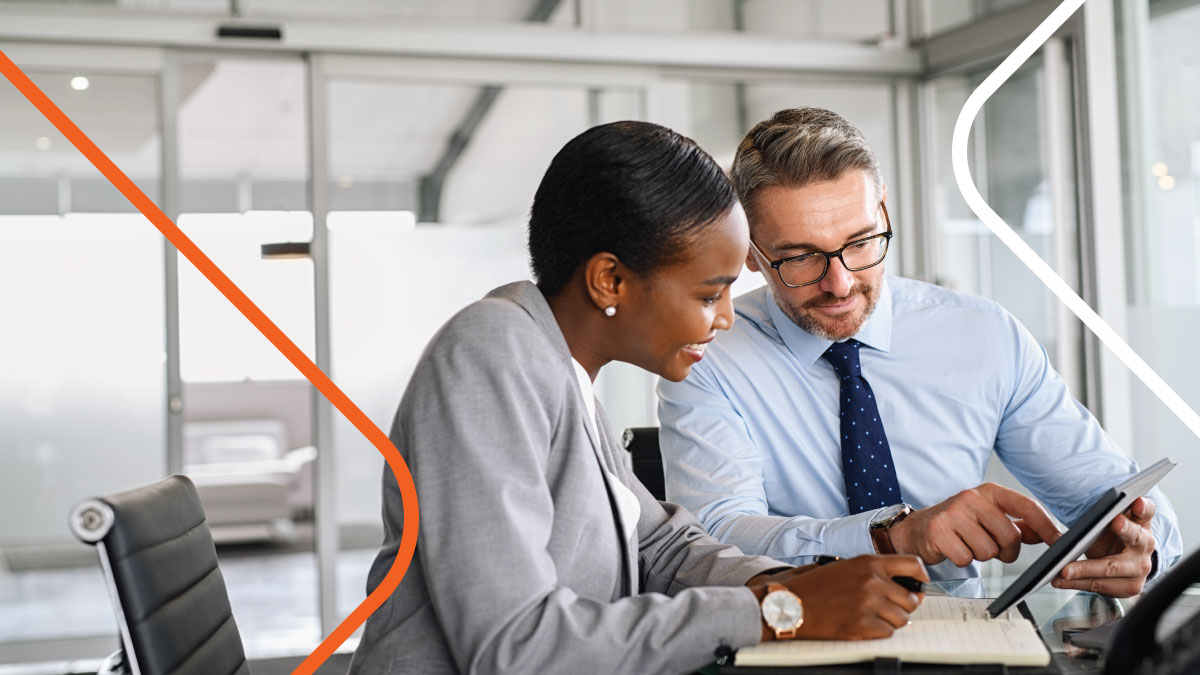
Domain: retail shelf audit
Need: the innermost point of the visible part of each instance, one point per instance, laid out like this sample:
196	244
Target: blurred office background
369	172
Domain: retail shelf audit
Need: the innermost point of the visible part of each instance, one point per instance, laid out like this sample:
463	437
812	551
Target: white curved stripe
1060	288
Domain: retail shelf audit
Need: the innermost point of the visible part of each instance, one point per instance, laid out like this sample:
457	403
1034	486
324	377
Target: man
782	439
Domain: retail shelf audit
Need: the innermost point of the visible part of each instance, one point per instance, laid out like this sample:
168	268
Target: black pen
917	586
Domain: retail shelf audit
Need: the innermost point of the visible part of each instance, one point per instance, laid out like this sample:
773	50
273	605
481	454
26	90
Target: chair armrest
300	456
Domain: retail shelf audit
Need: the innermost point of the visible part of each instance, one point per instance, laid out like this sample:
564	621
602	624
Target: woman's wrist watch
881	524
782	610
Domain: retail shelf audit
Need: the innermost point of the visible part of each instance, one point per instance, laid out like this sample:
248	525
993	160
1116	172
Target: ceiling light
80	83
1166	182
1159	170
42	143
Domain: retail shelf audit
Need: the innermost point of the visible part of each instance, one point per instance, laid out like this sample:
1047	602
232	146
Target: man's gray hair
799	146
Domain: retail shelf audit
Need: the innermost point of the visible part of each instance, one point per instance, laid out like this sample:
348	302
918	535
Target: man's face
820	217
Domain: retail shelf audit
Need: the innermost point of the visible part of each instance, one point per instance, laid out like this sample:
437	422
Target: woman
538	551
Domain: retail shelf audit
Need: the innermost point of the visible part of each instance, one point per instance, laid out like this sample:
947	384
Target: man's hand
974	524
852	599
1120	558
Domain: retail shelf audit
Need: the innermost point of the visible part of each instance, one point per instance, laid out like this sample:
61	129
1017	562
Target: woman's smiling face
675	311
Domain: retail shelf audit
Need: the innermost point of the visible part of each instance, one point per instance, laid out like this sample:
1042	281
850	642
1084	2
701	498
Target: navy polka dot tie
866	458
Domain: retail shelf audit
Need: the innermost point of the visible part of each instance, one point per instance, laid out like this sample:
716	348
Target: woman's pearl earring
611	310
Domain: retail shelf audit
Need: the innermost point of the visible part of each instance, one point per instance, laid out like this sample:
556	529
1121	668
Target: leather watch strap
881	531
882	538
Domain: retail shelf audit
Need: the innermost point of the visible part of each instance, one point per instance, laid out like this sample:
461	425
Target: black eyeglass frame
887	237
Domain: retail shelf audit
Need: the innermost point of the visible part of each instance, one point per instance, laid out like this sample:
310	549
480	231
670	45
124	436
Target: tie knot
844	358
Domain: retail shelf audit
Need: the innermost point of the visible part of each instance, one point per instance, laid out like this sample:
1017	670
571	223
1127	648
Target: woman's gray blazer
520	567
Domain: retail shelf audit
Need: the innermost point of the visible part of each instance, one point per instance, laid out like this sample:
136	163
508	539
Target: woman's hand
852	599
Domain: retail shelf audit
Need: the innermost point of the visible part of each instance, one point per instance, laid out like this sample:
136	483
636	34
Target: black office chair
161	568
642	444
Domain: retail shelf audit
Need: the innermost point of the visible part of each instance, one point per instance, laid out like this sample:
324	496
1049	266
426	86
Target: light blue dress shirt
750	440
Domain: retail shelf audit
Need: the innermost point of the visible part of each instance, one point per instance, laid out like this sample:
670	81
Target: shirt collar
875	333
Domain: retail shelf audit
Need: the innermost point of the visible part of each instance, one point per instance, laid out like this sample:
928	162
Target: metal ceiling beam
429	188
429	195
516	41
987	40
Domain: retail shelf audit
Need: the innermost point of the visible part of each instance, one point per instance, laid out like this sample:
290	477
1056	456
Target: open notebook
942	630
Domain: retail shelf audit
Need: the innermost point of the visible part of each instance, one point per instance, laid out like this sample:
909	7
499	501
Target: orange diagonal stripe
408	492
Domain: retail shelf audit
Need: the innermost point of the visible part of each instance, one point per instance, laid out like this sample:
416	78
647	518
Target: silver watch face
782	610
888	513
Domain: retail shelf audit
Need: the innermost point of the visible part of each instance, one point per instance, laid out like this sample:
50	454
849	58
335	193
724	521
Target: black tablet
1082	534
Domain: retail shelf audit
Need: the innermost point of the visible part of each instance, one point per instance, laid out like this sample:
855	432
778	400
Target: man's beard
805	316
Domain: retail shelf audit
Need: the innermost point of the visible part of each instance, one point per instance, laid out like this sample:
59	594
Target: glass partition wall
83	343
247	423
126	364
1012	156
1159	66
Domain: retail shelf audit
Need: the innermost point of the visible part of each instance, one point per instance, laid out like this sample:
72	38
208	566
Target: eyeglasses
809	268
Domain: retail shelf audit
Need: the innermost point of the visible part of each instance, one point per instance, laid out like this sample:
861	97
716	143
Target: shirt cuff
851	535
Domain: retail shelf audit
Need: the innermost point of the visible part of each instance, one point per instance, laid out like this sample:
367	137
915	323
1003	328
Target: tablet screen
1082	534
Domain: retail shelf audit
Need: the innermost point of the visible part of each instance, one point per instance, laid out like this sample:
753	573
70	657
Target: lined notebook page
940	607
938	634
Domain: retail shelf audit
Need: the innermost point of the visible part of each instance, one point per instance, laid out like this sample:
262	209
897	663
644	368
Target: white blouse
627	504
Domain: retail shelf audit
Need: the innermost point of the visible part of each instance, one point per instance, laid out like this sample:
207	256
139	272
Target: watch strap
881	533
882	539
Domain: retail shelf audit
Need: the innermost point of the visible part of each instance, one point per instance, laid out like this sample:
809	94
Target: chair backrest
161	567
642	444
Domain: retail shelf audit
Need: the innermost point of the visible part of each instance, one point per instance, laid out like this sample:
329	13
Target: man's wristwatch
881	526
782	610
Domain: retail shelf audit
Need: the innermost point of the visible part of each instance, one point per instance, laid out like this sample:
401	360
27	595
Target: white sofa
252	485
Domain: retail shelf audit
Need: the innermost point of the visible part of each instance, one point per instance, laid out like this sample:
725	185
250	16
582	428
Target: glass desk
1054	611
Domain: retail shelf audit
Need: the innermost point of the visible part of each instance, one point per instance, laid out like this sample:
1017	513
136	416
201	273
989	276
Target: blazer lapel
609	457
530	298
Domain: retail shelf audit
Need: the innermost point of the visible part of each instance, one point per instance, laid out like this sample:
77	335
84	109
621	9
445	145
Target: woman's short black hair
634	189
